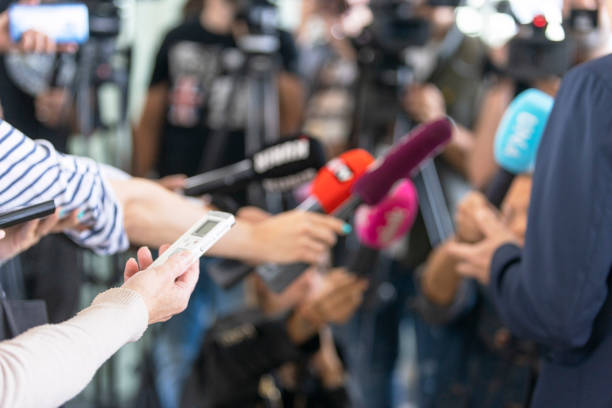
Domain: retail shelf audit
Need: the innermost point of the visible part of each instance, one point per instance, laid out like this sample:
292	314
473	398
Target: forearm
291	103
147	135
458	151
48	365
155	216
440	282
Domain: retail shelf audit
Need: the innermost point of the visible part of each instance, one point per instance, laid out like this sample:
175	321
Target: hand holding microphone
517	140
349	181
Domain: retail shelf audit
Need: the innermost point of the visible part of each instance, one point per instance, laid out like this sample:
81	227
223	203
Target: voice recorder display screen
205	228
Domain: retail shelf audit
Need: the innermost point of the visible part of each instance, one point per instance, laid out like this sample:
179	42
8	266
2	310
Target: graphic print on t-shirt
201	88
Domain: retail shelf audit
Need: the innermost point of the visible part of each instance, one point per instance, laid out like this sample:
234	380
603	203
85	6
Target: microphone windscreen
384	224
288	156
334	182
520	131
403	159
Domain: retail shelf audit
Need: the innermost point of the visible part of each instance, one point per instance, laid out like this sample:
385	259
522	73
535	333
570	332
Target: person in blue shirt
555	289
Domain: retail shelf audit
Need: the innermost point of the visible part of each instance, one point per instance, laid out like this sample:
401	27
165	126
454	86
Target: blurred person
281	352
49	365
194	119
554	288
42	109
591	41
484	366
328	65
190	87
116	206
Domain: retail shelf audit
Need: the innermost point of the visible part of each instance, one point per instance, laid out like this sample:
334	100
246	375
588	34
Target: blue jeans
372	337
179	340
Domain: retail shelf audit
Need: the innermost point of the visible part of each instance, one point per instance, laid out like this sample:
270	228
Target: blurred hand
424	103
337	299
165	289
327	362
18	238
474	260
175	182
52	107
297	236
467	227
31	41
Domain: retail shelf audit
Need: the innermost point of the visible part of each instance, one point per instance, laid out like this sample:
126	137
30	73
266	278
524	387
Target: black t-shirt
191	61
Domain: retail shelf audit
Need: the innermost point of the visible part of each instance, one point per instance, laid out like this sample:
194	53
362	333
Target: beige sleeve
48	365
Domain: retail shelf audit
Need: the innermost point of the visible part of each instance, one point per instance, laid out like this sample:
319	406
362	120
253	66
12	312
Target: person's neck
215	21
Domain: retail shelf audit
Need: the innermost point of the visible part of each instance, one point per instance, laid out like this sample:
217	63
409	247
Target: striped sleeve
32	172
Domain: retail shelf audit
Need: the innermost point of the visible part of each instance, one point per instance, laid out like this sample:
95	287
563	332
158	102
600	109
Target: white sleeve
49	365
32	172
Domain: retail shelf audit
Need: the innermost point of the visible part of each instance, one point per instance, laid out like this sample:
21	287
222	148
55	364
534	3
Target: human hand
18	238
335	302
467	227
175	182
166	289
52	107
31	41
327	362
474	260
296	236
424	103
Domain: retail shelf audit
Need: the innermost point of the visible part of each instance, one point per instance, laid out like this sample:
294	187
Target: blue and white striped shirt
32	172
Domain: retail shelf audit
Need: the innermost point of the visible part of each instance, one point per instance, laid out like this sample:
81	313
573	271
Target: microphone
403	159
330	190
381	226
280	167
334	182
384	224
517	140
370	188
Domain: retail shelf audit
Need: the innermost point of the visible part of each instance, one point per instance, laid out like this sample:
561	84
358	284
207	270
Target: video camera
533	55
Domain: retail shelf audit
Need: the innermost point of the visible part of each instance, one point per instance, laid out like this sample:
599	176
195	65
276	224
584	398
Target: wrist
332	377
300	328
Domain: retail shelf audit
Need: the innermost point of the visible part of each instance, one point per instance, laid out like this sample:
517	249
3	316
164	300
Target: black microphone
280	167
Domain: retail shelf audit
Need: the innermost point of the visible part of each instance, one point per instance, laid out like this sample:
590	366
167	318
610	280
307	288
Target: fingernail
63	212
347	229
2	234
81	215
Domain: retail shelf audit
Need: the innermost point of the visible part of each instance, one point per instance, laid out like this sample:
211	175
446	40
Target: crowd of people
507	301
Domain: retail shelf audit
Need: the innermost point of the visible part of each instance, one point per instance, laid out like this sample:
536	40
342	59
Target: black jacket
239	351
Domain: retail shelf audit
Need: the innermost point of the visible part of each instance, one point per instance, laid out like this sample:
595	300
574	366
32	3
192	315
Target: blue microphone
517	140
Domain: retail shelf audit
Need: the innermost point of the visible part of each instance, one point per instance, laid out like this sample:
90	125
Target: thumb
178	264
489	222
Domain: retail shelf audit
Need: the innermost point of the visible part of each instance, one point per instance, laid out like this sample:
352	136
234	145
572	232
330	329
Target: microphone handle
279	277
499	186
223	179
364	261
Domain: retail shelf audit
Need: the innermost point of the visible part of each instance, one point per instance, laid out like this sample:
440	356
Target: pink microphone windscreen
403	159
384	224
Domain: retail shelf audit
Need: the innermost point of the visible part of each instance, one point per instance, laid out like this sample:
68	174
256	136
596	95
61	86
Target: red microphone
333	184
330	190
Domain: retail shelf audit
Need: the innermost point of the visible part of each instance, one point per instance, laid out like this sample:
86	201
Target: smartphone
64	23
201	236
27	213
